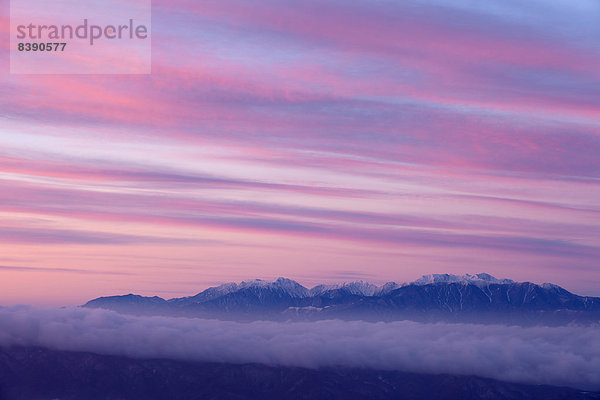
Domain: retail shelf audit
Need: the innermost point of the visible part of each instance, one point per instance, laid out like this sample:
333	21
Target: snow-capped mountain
482	279
288	286
478	297
281	285
359	288
388	287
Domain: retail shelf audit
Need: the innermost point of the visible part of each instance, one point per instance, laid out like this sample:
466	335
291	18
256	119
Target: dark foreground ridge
29	373
477	298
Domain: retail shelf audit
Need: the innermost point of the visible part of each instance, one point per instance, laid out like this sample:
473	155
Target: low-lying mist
568	355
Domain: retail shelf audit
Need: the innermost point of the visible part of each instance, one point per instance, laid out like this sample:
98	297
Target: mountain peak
292	288
360	288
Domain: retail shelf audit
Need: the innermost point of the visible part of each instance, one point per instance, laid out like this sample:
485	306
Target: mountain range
478	298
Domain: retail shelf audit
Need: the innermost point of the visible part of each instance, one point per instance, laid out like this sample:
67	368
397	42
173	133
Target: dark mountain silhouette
29	373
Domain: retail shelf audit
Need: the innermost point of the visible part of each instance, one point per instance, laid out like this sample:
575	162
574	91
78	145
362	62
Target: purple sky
318	140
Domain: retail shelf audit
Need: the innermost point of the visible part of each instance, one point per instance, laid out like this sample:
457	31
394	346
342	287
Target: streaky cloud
14	268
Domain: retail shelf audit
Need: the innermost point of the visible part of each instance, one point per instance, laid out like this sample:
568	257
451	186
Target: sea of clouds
567	355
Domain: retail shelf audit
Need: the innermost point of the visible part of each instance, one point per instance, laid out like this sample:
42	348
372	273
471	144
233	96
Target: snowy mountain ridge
359	288
479	298
481	279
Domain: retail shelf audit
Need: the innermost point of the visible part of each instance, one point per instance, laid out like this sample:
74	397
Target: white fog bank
568	355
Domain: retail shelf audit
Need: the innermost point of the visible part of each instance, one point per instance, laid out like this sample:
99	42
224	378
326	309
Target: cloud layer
542	355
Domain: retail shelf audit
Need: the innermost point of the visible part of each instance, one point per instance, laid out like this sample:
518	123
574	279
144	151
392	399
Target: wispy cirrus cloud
13	268
35	235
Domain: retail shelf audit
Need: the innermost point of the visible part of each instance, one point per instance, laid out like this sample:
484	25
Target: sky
323	141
